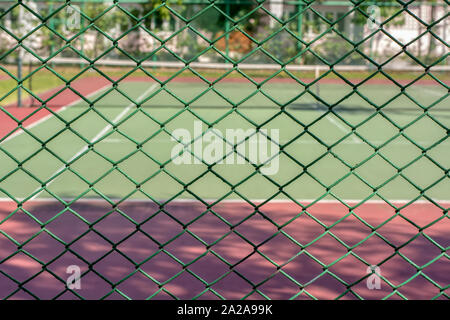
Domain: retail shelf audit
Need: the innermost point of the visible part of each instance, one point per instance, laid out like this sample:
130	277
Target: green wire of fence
233	22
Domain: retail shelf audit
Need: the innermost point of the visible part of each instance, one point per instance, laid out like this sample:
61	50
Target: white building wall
411	29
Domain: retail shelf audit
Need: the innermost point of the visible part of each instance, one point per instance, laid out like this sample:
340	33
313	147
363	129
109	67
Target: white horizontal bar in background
241	66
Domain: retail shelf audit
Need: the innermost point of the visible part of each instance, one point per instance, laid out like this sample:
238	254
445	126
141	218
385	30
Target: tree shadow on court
140	249
355	109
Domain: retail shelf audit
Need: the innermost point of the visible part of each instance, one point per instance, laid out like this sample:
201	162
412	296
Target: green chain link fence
307	39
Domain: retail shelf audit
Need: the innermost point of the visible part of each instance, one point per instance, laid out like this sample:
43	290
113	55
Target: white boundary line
38	122
342	128
433	92
325	201
97	137
309	141
329	116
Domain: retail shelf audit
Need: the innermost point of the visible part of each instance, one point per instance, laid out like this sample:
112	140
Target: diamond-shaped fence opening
224	149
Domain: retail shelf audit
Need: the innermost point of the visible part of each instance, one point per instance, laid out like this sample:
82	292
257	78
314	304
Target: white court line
326	201
34	124
340	126
114	141
329	117
377	142
433	92
98	136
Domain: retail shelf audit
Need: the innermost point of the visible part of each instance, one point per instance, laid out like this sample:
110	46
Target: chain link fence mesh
231	36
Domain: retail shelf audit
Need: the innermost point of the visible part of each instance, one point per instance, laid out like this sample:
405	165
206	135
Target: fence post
299	26
227	28
82	39
19	58
52	27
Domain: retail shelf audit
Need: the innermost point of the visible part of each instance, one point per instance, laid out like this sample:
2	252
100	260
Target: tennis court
226	149
100	172
138	153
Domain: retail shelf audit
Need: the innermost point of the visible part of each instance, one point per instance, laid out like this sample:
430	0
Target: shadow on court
107	244
355	109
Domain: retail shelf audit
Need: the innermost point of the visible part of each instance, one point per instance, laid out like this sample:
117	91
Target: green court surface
395	153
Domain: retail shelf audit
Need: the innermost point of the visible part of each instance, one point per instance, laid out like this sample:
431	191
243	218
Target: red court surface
121	242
